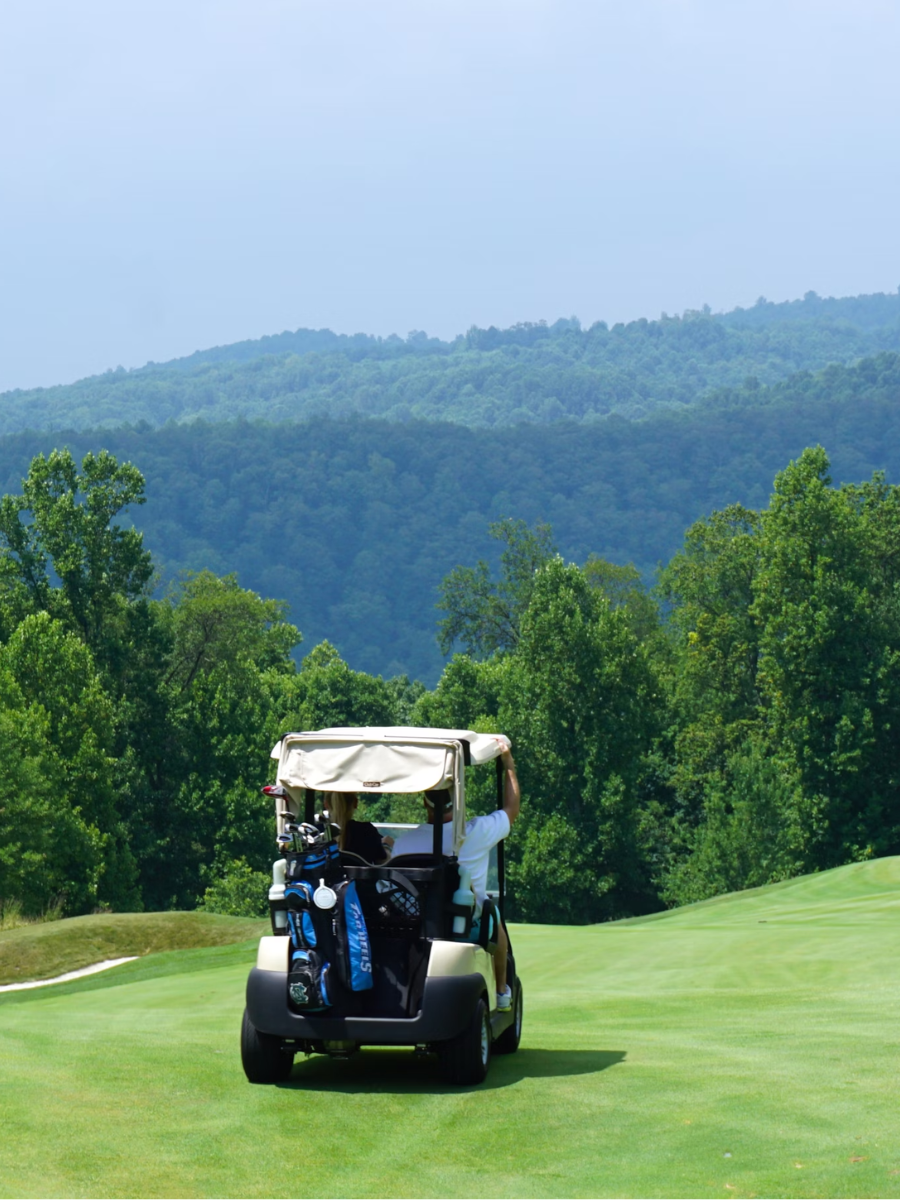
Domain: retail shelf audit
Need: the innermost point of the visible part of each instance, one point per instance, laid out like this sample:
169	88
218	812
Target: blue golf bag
330	957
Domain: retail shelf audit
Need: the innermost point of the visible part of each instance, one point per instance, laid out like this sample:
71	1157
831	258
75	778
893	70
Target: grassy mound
744	1046
867	890
43	951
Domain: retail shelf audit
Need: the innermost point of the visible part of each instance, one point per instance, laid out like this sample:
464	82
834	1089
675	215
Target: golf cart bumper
447	1005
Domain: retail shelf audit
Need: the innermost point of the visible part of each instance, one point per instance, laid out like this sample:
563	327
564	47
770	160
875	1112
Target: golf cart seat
349	859
411	860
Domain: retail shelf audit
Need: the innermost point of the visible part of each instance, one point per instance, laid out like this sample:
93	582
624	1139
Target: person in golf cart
356	837
482	834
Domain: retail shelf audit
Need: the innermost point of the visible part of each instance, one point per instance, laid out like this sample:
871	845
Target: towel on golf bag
322	937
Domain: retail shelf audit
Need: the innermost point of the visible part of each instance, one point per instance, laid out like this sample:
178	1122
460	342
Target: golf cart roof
382	758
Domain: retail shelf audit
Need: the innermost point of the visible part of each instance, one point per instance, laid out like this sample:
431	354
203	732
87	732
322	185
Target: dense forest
530	373
569	533
736	728
354	522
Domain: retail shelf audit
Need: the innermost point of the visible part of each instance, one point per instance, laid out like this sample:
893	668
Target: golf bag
331	959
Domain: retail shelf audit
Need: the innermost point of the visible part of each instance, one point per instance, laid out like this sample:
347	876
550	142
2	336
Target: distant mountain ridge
866	312
530	373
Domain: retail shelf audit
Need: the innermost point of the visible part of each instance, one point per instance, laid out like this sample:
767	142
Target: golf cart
364	955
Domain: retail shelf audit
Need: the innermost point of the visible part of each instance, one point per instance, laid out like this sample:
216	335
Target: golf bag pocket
300	923
302	930
308	981
353	952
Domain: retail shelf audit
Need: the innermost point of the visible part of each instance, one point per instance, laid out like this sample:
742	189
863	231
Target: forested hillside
736	728
354	522
534	373
741	733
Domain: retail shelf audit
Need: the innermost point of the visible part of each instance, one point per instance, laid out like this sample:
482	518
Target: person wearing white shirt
482	834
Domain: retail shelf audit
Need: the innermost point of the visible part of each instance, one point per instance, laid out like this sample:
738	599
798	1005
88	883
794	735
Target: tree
83	847
238	891
64	557
485	614
216	624
468	696
826	601
326	692
226	688
751	833
580	701
623	588
468	692
785	695
30	825
713	689
68	528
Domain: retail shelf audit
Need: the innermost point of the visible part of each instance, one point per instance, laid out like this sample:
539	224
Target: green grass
745	1046
43	951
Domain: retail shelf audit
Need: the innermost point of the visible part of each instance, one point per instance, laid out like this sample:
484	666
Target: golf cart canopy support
386	759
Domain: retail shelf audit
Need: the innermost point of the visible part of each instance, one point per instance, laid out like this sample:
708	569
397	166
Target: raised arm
512	797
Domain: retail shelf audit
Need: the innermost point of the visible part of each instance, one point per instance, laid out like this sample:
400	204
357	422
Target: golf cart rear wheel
508	1041
264	1057
466	1058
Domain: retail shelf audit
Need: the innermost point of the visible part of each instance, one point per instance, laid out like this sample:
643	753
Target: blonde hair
341	807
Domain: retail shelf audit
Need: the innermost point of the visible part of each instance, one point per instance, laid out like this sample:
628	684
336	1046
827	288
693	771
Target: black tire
508	1041
465	1059
264	1057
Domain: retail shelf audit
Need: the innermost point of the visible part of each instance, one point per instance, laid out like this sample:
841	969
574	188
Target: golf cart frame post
501	870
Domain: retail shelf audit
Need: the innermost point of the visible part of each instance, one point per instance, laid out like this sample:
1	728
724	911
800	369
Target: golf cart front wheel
508	1041
466	1058
264	1057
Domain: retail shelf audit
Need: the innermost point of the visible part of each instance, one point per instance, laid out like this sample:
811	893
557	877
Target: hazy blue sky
180	175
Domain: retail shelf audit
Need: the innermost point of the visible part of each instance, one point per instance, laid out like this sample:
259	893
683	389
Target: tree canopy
731	729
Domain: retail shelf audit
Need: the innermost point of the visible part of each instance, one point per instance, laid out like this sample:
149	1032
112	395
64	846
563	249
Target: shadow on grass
403	1072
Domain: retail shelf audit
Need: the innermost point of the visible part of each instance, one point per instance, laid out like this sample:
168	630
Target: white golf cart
430	985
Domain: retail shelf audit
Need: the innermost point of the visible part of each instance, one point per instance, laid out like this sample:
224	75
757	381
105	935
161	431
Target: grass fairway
745	1046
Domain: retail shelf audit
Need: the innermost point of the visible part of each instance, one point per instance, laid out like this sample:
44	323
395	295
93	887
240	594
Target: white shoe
504	1000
